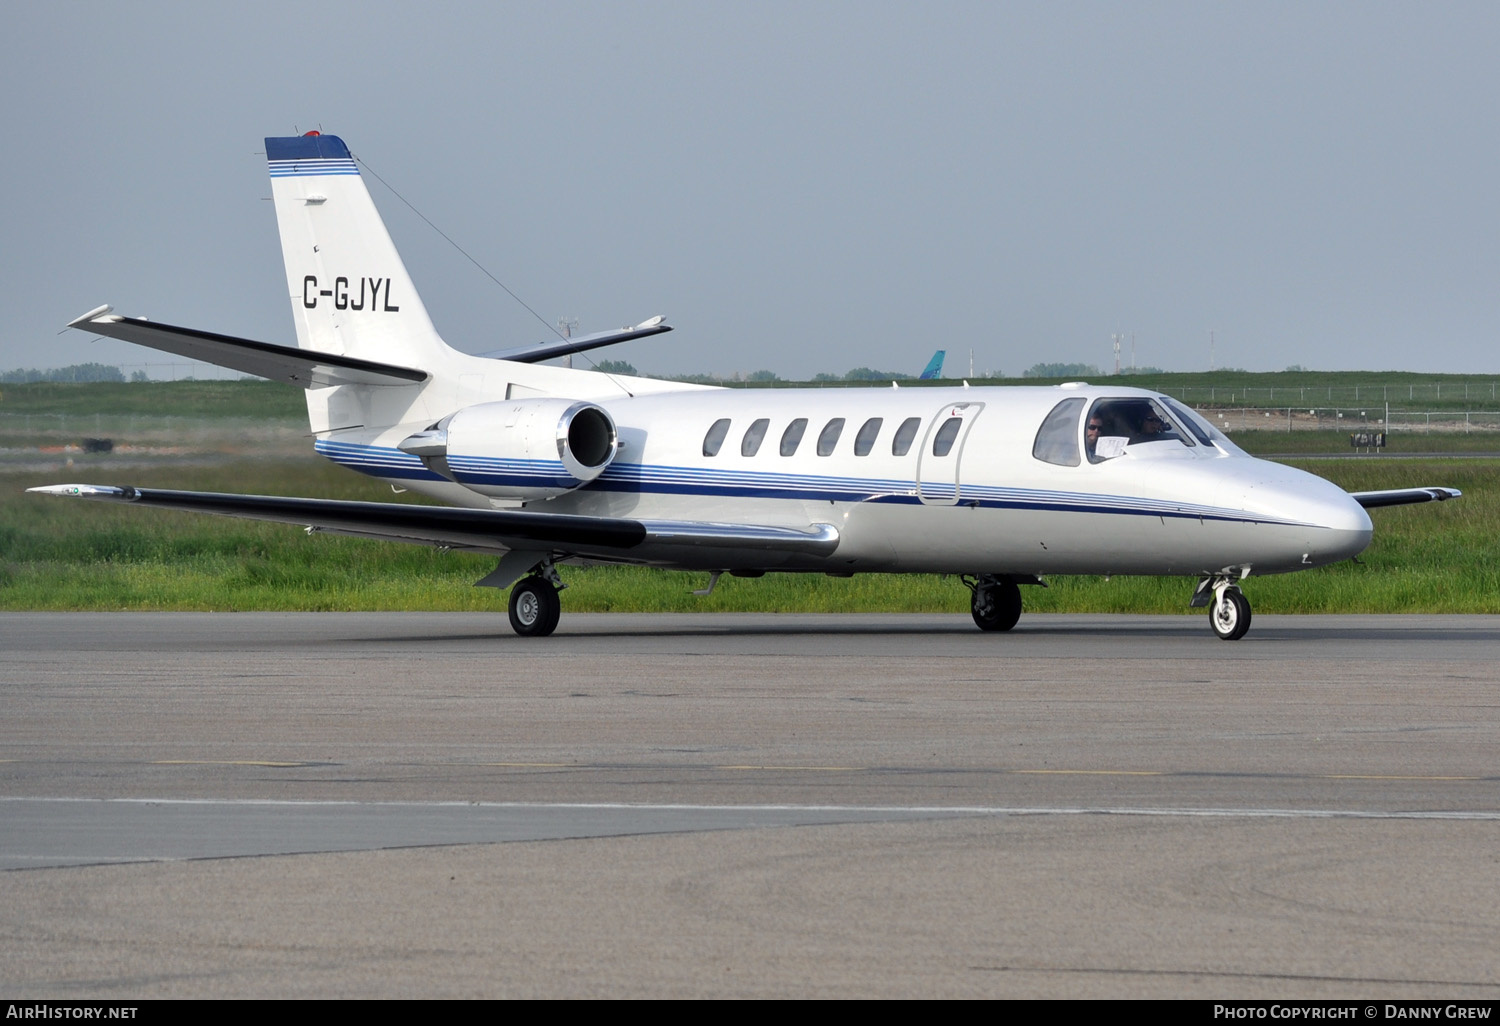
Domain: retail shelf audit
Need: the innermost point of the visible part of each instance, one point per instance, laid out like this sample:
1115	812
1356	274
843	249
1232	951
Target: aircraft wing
302	367
565	346
1404	496
486	530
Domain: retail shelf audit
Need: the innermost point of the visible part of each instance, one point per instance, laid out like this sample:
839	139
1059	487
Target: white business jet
544	465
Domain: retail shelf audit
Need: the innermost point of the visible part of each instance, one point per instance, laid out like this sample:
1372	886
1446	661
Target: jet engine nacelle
519	448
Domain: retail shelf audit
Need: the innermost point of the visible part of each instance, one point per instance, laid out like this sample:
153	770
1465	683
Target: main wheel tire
997	607
1230	618
534	608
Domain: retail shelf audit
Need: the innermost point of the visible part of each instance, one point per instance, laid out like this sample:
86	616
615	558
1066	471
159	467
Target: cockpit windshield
1202	428
1115	425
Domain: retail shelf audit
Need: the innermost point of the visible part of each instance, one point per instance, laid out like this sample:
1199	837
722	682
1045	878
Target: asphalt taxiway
425	804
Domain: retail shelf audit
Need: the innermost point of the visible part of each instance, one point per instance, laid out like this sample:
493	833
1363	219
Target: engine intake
519	448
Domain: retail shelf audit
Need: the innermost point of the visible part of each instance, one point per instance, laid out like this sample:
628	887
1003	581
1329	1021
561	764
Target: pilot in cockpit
1117	424
1150	427
1091	432
1106	436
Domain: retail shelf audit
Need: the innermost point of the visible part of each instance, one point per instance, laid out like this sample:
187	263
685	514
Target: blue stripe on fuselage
375	460
382	461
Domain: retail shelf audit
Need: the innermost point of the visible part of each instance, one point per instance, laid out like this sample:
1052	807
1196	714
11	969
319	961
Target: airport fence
1336	395
1342	418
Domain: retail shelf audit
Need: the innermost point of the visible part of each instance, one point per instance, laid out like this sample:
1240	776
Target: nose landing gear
1229	609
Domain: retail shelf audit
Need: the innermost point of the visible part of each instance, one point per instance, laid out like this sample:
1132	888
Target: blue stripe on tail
307	147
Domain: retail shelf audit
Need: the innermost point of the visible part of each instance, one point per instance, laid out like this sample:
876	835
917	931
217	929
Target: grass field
62	554
194	400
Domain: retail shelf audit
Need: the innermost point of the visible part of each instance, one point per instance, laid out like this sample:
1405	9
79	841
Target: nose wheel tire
534	608
997	607
1230	616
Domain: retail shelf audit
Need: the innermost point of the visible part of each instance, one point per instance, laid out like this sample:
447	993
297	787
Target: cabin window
830	436
750	444
901	443
1057	441
792	436
865	440
715	437
942	442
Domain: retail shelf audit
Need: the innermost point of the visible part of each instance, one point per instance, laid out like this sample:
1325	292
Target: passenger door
942	448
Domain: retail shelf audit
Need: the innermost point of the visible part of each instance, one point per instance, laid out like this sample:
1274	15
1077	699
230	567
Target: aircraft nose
1347	525
1333	525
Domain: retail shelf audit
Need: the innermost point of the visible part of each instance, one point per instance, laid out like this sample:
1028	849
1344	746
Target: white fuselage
982	504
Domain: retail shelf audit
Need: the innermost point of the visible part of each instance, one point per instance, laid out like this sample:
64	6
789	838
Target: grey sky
799	186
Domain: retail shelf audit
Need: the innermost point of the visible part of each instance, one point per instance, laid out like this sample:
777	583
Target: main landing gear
996	602
1228	608
535	607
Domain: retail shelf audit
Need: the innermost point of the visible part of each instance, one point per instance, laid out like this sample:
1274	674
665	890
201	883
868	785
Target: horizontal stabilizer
1404	496
566	346
301	367
489	530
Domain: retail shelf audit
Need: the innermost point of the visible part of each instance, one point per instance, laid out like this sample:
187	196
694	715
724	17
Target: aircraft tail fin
934	368
350	293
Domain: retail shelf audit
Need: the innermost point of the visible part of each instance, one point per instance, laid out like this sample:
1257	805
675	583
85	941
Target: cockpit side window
1057	441
1115	425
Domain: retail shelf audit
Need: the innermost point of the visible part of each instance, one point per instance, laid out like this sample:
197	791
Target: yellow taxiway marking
1387	776
799	769
267	763
1093	773
227	762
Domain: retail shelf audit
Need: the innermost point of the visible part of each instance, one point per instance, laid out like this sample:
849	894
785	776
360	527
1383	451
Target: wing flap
1404	496
301	367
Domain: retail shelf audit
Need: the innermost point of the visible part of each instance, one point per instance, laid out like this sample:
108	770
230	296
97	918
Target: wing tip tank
86	491
94	314
1405	496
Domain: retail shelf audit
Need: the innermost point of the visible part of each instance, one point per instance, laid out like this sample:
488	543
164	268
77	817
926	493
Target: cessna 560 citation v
543	465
